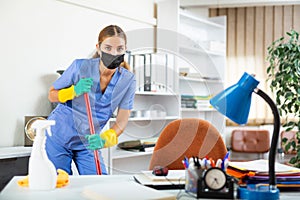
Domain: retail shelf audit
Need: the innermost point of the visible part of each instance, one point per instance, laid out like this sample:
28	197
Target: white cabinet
165	107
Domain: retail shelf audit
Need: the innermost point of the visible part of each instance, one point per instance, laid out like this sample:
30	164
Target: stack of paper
254	172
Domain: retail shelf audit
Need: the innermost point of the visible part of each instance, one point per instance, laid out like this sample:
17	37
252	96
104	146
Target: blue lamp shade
235	101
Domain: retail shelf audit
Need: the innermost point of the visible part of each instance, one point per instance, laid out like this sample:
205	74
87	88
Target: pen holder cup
192	177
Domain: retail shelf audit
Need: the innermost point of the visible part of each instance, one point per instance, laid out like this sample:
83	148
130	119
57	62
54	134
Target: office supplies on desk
256	172
208	181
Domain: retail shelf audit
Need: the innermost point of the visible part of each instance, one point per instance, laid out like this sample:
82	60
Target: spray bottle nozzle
43	124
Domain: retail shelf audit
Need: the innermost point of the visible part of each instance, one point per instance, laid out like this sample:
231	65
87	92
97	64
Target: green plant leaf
293	160
283	75
284	140
287	147
293	144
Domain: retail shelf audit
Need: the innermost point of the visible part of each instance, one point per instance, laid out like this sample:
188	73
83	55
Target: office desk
80	184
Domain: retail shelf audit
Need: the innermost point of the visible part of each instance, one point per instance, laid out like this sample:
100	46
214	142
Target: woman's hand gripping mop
92	130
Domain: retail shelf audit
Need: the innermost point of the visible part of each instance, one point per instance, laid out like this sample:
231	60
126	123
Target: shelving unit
152	111
203	61
200	44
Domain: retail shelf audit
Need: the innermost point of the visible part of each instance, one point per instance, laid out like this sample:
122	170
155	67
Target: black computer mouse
160	171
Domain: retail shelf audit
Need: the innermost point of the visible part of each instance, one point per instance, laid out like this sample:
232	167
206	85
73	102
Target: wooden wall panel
260	108
287	19
240	42
213	12
231	46
249	40
268	39
296	18
278	22
250	31
222	11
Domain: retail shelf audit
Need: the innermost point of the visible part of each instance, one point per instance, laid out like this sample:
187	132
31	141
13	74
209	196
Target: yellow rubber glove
62	179
84	85
66	94
110	137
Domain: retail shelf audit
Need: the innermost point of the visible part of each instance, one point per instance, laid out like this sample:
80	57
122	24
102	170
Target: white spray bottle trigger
49	131
41	125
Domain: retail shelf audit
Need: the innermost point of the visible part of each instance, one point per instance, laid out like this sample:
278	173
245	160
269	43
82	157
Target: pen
226	162
219	163
184	165
212	162
203	163
186	160
225	158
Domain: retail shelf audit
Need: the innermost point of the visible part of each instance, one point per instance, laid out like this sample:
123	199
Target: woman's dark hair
110	31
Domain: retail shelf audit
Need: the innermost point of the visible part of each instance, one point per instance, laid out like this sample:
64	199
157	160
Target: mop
92	130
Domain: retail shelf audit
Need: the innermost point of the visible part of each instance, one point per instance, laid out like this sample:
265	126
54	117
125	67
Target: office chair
249	144
187	137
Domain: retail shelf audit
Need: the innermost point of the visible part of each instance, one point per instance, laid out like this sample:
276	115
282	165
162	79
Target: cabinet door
11	167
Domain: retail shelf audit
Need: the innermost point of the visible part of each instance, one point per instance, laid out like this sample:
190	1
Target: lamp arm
272	153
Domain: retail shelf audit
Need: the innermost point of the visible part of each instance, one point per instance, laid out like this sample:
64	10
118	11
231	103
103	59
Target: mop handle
92	130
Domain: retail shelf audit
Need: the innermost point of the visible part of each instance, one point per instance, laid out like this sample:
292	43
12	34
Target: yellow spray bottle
42	173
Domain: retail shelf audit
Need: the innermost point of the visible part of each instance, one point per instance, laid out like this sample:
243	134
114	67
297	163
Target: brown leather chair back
187	137
250	141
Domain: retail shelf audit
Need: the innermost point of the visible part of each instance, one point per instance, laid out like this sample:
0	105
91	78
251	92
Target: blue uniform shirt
71	117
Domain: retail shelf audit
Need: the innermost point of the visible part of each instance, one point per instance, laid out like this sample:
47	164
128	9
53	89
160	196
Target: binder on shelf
147	72
153	73
138	69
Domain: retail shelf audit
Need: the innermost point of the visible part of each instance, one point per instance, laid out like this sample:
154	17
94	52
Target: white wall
39	37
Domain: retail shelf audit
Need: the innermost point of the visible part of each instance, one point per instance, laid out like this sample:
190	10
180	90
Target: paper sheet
262	166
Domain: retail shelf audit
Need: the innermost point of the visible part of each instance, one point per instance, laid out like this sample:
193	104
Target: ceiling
234	3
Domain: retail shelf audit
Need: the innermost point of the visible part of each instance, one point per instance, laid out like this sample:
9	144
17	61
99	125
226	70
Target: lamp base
257	191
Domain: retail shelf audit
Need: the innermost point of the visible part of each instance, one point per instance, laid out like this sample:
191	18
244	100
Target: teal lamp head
235	101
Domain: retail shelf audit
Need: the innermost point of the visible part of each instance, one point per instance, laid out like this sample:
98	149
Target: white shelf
119	153
199	51
204	80
188	17
149	119
197	110
156	93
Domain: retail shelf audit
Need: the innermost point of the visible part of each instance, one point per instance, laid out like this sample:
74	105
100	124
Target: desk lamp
234	102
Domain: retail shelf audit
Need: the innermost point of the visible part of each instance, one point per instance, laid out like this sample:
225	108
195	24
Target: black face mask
111	61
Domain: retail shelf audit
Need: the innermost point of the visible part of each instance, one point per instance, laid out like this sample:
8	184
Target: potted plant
284	75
